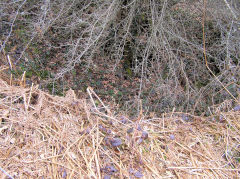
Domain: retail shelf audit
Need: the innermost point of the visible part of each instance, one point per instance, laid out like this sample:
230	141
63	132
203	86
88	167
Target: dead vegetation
45	136
156	89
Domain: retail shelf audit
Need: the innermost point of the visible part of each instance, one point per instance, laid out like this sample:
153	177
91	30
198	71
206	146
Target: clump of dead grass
65	137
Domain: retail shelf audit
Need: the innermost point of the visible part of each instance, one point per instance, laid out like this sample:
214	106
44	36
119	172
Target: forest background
157	55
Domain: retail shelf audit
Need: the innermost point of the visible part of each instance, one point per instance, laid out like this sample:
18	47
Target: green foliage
111	92
74	73
32	69
54	88
29	74
129	72
238	158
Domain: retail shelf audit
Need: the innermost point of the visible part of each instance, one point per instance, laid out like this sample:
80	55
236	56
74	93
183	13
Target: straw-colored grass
45	136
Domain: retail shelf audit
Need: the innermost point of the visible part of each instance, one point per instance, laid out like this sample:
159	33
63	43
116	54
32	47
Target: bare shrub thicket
160	42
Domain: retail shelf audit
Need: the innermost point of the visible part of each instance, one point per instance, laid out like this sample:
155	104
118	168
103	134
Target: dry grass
45	136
